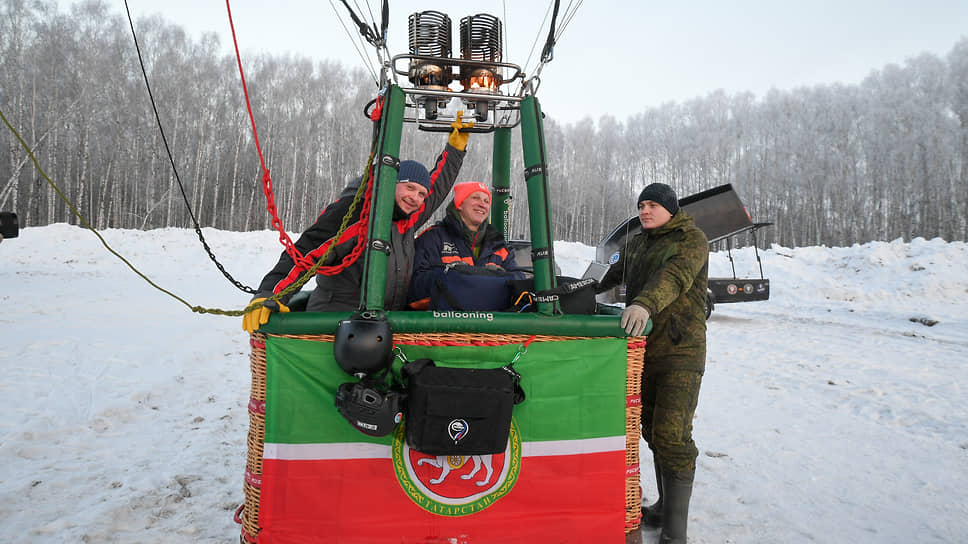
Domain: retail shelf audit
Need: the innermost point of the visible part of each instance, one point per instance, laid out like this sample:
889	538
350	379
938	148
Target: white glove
634	318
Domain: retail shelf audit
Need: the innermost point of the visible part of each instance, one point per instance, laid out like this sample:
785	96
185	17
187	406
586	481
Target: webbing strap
391	161
532	171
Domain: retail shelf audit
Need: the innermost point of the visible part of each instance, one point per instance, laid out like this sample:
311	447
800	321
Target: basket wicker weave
249	516
635	357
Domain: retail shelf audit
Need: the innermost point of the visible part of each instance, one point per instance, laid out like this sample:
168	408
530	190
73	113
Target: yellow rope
197	309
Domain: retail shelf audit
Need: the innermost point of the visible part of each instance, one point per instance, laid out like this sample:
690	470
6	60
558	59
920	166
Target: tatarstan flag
561	479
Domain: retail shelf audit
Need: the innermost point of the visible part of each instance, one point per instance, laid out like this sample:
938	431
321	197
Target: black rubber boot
677	489
652	515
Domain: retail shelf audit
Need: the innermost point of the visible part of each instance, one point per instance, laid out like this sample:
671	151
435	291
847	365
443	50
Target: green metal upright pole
536	177
501	181
381	207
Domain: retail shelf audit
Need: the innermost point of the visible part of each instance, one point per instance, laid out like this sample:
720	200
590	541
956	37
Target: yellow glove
253	319
457	138
634	318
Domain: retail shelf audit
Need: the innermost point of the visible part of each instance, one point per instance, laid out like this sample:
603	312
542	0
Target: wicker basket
249	515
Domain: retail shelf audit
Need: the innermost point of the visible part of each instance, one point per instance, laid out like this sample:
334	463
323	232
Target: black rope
356	45
548	52
385	21
198	229
365	31
568	16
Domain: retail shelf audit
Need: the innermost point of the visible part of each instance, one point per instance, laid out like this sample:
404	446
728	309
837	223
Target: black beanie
662	194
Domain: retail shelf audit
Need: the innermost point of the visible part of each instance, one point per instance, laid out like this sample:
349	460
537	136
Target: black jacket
341	292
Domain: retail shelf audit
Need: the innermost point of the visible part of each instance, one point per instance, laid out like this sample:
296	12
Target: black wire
537	36
569	14
356	45
549	49
366	31
386	20
198	229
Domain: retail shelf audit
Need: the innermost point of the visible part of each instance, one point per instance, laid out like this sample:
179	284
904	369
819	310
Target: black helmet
363	344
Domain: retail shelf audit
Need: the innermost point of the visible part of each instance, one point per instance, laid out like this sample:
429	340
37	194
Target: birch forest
829	165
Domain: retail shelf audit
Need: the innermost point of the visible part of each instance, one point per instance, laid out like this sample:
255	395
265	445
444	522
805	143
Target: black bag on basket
459	411
575	296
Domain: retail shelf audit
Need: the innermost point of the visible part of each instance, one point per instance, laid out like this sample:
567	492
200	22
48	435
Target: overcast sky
630	54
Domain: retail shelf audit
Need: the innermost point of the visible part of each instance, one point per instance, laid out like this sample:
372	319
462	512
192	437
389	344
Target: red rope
490	343
360	246
298	259
453	343
238	513
266	178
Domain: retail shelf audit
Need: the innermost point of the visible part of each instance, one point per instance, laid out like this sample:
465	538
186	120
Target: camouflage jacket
665	269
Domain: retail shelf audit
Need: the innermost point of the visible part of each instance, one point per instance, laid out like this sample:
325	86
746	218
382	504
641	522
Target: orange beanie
466	189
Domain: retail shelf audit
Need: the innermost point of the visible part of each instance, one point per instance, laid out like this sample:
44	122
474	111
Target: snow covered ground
834	412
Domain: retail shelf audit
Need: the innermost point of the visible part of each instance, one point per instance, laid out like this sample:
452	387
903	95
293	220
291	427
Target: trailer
721	215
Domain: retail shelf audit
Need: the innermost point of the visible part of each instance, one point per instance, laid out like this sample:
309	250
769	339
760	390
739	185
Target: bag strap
568	288
516	382
412	368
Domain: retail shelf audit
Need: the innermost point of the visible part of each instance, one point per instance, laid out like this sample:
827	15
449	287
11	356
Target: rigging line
284	238
367	64
378	30
567	17
198	229
349	259
533	45
363	194
548	51
365	31
504	12
372	21
70	205
384	58
538	34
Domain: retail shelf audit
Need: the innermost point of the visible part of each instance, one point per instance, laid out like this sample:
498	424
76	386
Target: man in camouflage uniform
665	269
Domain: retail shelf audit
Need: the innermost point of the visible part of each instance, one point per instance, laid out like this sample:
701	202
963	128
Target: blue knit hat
415	172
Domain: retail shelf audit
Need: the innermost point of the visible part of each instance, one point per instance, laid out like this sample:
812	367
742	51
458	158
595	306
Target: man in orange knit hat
463	237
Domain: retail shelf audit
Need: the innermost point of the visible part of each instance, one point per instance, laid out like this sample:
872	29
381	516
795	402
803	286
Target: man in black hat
665	269
418	194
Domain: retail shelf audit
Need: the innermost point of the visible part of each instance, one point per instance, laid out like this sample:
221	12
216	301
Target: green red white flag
561	479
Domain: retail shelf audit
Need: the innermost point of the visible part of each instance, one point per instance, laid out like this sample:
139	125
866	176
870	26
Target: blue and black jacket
450	241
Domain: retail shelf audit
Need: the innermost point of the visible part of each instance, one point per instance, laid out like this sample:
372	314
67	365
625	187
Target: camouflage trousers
669	402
